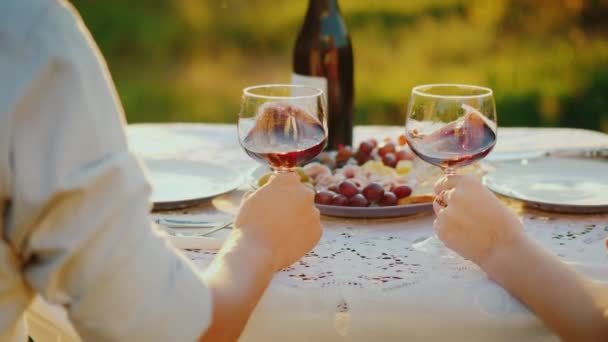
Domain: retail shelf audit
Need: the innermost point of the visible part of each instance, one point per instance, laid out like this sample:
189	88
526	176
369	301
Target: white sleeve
78	217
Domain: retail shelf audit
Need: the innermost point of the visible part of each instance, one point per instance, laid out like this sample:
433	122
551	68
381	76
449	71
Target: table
364	281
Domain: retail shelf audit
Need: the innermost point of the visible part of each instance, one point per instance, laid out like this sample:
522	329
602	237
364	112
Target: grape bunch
346	193
368	150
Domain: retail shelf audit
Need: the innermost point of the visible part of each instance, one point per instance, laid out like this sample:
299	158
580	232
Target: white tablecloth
363	281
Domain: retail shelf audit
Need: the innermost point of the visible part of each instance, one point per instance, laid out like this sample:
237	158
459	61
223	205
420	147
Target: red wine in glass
457	144
284	136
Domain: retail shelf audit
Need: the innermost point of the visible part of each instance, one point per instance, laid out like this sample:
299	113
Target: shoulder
34	34
19	17
37	25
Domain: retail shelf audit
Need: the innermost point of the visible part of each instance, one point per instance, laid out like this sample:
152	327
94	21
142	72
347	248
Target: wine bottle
323	58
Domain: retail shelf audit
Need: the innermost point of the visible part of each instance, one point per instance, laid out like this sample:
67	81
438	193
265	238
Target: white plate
182	183
561	185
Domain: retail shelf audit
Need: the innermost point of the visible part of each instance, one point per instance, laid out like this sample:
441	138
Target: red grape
348	189
373	142
334	188
373	192
340	200
343	155
388	199
358	201
362	158
404	155
389	147
389	159
366	147
402	191
324	197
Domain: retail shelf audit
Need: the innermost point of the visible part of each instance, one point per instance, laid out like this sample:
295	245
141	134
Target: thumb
247	194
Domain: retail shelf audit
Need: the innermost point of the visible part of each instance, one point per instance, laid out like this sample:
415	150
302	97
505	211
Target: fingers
446	226
437	206
446	183
247	194
309	194
442	200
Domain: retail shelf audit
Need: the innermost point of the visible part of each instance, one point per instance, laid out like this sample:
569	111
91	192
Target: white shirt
75	224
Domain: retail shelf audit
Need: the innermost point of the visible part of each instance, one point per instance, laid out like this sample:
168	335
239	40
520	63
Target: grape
343	155
388	199
303	175
362	158
348	189
404	155
373	142
334	188
402	191
366	147
358	201
326	159
264	179
389	147
389	159
324	197
340	200
373	192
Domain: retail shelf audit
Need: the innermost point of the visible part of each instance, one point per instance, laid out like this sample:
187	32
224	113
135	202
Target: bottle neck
319	9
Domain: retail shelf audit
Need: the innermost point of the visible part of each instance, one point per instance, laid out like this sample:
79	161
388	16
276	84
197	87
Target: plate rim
488	181
238	181
394	211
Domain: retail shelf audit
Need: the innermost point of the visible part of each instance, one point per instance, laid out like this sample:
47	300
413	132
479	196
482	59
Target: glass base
434	246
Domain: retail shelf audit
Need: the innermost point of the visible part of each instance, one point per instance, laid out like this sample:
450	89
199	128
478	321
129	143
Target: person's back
63	155
21	54
75	213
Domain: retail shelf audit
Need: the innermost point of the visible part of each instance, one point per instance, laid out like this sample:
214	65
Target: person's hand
280	218
471	220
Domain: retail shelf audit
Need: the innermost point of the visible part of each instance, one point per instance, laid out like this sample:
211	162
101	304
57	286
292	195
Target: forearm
568	303
237	279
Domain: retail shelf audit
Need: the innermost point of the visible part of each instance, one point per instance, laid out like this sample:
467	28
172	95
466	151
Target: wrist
255	253
237	278
505	254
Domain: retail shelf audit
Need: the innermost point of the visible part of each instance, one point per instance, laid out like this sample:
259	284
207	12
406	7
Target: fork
174	226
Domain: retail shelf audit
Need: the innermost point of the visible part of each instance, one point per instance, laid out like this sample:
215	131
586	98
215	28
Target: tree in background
187	60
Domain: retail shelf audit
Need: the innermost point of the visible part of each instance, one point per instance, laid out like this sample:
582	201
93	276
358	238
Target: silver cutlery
182	227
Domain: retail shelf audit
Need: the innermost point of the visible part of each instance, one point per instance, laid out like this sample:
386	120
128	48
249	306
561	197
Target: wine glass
450	126
283	125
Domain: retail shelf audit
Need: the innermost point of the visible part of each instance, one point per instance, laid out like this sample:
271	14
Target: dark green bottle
323	57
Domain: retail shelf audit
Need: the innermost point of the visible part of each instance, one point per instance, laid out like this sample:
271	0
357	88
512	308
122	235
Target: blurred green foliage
187	60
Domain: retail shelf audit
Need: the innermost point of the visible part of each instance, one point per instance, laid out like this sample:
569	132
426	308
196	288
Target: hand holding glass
450	126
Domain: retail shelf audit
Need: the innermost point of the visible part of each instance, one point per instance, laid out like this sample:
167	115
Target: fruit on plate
416	199
388	199
371	175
